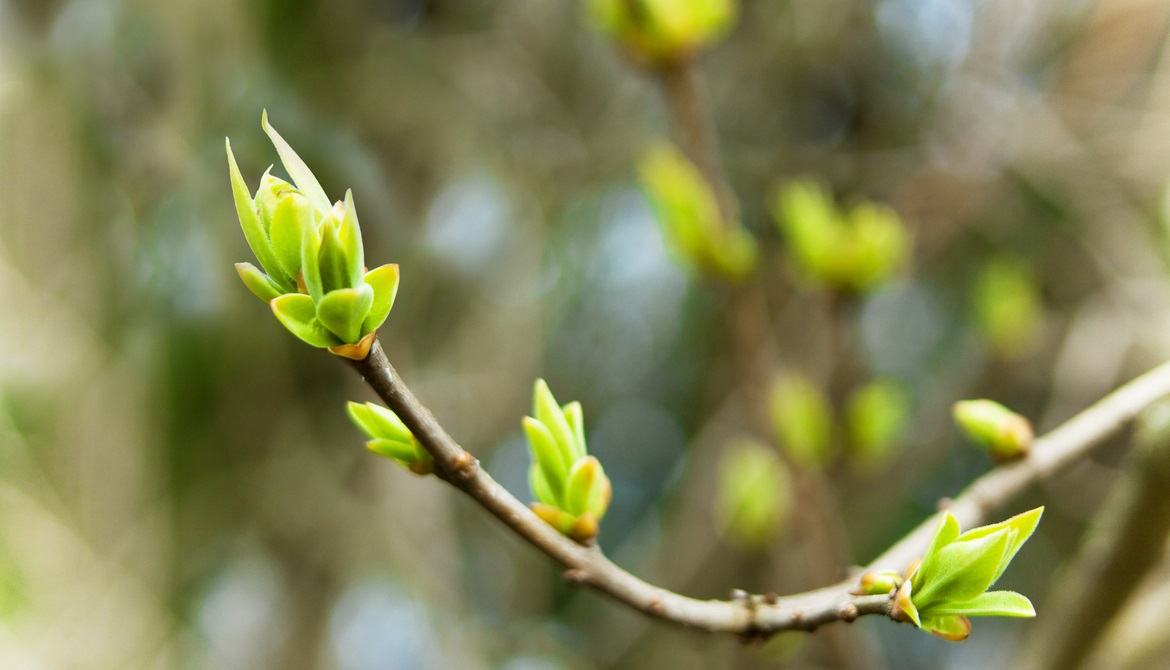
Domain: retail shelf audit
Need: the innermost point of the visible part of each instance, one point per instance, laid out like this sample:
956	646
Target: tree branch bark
751	615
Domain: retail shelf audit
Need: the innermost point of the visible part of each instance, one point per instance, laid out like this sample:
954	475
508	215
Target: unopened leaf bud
1005	434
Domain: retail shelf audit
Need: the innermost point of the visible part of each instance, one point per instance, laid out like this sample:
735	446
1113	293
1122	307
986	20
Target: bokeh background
180	488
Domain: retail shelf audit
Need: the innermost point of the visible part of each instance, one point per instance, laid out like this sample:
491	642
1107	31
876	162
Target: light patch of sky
637	292
930	32
529	662
377	626
900	329
240	616
468	222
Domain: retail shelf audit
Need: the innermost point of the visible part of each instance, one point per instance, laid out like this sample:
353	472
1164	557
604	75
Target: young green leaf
331	258
384	281
342	311
951	628
548	456
992	603
576	418
351	242
549	413
299	315
257	282
300	173
293	212
405	453
961	570
310	262
250	222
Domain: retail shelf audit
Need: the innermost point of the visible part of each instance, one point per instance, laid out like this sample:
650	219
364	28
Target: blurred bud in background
803	421
875	416
854	251
754	494
1008	309
1005	434
662	31
688	213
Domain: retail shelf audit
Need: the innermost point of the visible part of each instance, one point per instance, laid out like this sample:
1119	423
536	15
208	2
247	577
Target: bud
803	421
754	494
880	582
688	214
876	415
570	486
658	32
858	251
1007	307
311	252
390	437
1002	432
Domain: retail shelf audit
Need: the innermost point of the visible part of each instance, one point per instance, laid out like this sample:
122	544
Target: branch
750	615
1051	453
1124	543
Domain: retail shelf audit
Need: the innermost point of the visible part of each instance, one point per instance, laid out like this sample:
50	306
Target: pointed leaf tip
301	175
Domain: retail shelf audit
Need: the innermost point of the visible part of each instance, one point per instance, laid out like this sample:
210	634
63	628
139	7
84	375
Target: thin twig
751	615
1051	453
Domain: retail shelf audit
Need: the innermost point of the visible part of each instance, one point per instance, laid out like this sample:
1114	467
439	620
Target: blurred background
180	487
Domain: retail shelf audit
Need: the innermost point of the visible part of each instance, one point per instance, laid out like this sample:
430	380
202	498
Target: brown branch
693	130
750	615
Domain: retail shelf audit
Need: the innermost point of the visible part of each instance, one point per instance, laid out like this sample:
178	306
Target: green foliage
856	251
311	253
1007	307
390	437
754	494
1005	434
951	582
661	31
803	421
876	415
570	486
688	213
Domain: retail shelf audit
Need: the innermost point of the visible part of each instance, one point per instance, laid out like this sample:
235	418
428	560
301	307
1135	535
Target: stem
1051	453
690	121
752	615
1123	545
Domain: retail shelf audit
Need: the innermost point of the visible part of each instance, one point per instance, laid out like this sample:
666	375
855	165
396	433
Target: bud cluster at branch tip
312	264
855	251
570	487
390	437
949	583
688	214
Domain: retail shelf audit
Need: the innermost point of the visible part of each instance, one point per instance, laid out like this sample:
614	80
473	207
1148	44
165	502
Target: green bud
307	246
876	416
1005	434
754	494
803	421
390	437
570	486
879	582
857	252
688	214
661	31
1008	308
